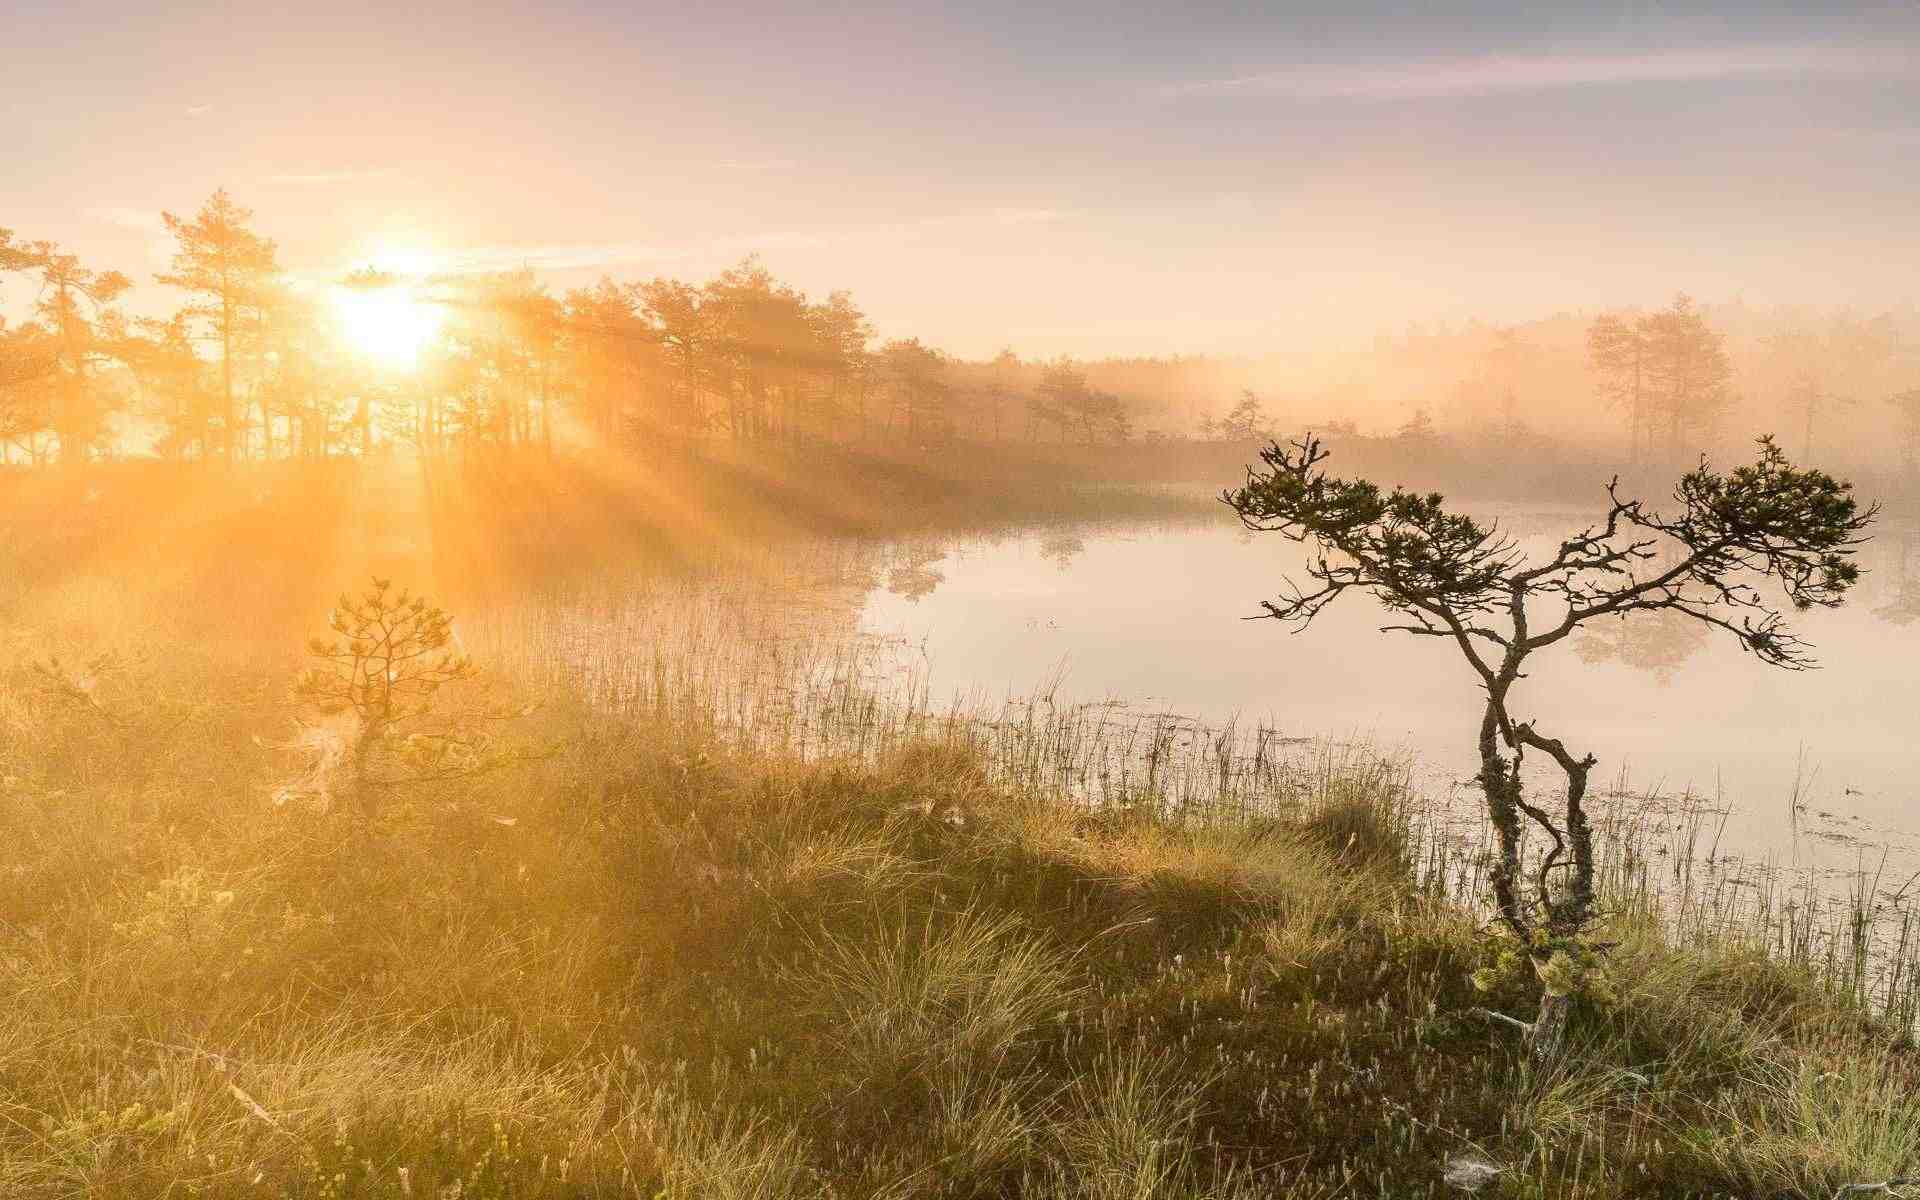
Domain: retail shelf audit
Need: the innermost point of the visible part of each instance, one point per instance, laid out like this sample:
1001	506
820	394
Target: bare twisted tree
1738	549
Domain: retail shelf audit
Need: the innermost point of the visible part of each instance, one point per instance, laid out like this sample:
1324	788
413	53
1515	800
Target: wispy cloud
199	110
309	178
1496	74
701	252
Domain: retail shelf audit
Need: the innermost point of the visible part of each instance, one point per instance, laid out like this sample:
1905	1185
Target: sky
1087	179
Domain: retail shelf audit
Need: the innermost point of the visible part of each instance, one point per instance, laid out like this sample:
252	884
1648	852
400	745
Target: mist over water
1150	615
599	602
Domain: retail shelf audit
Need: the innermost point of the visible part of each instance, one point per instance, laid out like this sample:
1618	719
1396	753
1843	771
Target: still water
1154	616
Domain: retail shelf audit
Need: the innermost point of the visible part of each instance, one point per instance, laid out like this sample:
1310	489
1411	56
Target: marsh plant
1735	543
394	671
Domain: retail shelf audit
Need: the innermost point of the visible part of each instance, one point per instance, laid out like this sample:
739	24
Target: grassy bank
759	923
661	962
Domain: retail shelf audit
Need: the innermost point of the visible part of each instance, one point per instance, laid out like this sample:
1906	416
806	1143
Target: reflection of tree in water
1903	606
912	576
1658	642
1061	549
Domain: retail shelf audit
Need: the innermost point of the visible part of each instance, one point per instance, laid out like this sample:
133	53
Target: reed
773	921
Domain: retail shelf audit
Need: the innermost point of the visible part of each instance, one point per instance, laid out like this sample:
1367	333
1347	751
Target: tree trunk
1549	1034
1638	418
546	410
363	789
1500	783
226	373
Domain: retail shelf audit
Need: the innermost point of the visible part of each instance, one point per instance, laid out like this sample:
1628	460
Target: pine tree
219	259
75	309
1719	559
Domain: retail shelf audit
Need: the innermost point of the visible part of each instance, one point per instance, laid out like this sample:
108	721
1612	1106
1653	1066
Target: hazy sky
1092	178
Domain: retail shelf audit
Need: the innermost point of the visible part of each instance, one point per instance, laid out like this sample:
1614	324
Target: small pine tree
391	656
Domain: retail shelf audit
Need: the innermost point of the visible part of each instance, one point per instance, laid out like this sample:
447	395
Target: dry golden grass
762	930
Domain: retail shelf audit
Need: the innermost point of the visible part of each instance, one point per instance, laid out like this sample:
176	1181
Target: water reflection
1903	605
1657	643
1152	616
911	576
1062	548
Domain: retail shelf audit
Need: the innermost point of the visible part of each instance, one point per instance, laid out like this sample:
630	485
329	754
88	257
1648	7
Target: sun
388	324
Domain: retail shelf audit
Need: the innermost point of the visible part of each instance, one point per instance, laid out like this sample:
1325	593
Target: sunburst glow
389	325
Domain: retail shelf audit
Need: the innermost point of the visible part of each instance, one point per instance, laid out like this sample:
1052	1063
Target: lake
1153	616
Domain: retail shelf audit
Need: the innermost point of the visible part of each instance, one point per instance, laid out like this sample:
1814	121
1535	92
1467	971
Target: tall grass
770	922
764	671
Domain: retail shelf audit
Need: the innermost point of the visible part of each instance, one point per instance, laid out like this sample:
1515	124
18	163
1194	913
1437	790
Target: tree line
250	365
1670	375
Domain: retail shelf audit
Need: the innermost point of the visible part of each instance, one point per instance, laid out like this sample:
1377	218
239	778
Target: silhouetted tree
13	256
841	334
1508	370
29	362
299	377
1688	369
1903	606
162	360
1100	412
610	336
764	346
686	332
1617	351
1827	367
1906	406
74	306
533	324
1442	574
1246	421
1060	398
1003	383
919	385
221	260
1669	366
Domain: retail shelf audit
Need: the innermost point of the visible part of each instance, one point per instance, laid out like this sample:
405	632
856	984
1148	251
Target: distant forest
251	364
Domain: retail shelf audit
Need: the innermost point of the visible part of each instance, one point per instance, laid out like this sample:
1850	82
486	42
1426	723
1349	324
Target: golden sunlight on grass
697	895
388	323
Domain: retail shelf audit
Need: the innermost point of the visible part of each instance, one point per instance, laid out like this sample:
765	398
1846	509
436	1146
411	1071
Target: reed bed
770	665
766	918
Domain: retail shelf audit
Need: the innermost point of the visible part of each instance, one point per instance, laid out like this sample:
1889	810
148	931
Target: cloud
307	178
1498	74
582	256
199	110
